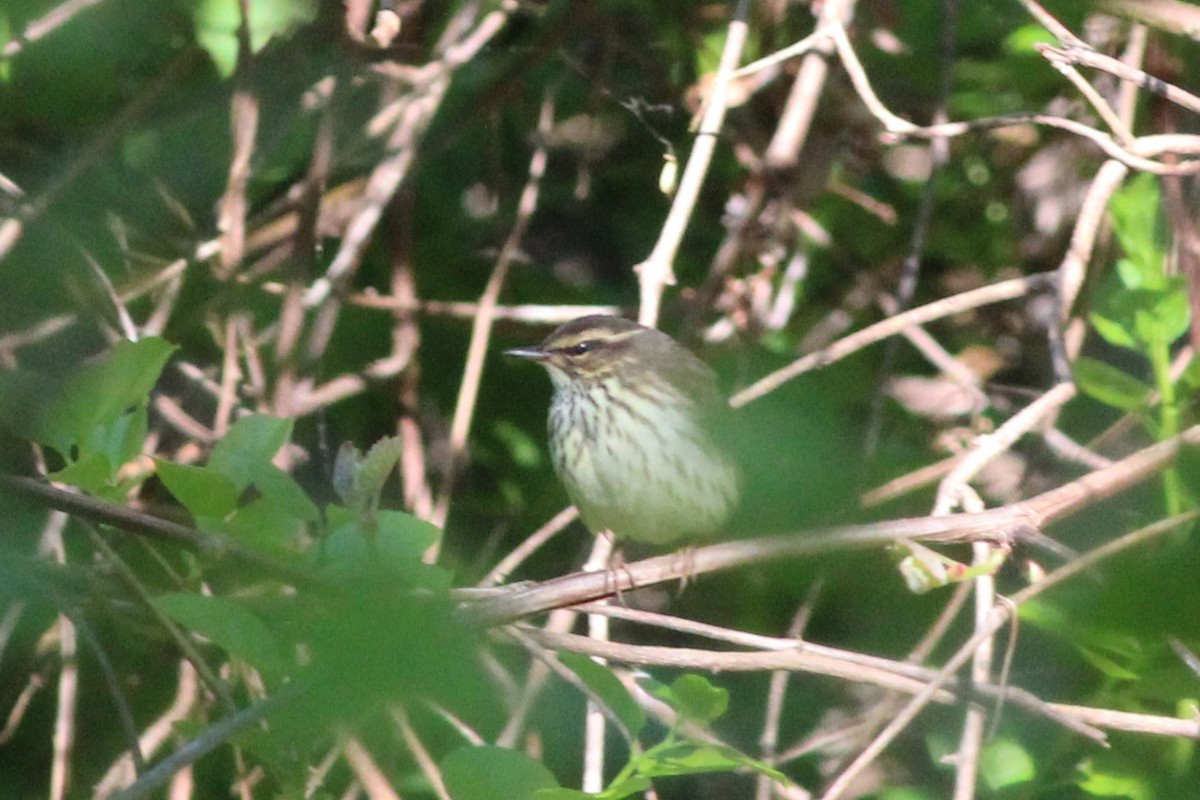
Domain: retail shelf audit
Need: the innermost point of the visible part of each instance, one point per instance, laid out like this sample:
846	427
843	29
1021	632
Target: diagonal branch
1015	523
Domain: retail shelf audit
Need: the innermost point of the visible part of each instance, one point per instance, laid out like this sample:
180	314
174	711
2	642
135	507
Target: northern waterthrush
631	431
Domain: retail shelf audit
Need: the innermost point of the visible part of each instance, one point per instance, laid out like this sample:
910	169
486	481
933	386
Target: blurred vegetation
200	324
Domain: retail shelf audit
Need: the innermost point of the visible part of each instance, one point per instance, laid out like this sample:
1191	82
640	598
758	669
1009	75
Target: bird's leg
616	564
687	566
607	557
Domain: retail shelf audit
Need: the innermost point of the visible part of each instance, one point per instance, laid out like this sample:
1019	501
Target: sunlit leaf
1100	783
204	492
1110	385
1113	331
1005	763
696	699
217	22
1135	217
90	473
1023	39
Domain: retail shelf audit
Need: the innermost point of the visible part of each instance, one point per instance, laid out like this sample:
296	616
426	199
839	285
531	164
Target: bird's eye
580	348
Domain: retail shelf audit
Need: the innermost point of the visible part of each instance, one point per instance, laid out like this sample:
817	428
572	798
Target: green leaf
204	492
281	491
378	464
249	444
227	624
394	545
708	54
1135	217
1110	385
1112	651
217	22
1005	763
904	793
1105	664
1101	783
488	773
1173	312
628	787
1131	275
264	526
1140	318
359	479
633	785
1113	331
101	392
696	699
561	793
244	456
1023	39
610	690
81	410
91	472
121	439
687	758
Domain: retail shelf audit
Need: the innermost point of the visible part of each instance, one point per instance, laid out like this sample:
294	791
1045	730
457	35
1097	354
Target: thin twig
910	270
658	271
988	446
210	545
970	743
806	657
598	561
1013	523
115	689
1135	156
561	620
529	314
244	113
174	632
526	640
47	23
768	740
532	543
985	295
429	89
370	776
1062	63
122	773
787	142
1073	269
998	617
481	329
420	753
215	735
779	56
20	707
1090	58
63	740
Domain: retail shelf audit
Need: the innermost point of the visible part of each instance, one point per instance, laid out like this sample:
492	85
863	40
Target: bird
634	429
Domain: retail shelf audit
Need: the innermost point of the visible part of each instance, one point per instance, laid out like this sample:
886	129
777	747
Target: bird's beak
531	353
